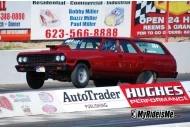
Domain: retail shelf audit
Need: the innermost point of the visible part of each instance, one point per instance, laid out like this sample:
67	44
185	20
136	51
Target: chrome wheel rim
146	77
150	77
82	75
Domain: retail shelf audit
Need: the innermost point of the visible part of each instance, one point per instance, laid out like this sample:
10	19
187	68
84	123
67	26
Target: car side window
126	47
87	45
82	45
109	45
150	47
97	45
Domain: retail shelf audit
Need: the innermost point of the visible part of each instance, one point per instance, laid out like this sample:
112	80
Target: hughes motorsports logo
155	94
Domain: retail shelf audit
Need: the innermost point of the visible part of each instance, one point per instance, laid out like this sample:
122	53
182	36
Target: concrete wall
181	52
9	75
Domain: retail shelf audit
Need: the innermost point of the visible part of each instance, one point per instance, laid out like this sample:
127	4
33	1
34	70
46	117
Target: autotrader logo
89	95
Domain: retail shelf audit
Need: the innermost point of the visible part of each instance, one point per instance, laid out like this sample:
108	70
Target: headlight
57	58
24	59
62	58
20	59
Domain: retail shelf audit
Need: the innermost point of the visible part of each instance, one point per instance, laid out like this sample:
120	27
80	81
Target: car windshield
83	43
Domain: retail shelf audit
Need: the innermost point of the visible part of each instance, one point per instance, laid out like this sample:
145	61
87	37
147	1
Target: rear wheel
80	76
35	80
102	83
147	77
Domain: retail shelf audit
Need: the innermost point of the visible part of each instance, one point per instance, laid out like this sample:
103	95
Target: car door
110	63
156	58
133	62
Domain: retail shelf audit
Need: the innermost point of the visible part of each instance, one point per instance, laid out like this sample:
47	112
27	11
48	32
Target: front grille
41	58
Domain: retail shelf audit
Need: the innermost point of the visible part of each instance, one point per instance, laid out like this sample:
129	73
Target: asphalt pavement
100	118
68	85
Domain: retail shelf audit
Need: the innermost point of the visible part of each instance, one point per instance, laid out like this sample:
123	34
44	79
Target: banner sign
46	20
15	20
92	99
64	19
148	18
50	102
156	94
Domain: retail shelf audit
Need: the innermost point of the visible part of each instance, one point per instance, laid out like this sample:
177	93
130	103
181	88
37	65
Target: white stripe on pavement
186	124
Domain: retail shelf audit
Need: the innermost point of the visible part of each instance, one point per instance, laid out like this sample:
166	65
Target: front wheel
147	77
35	80
80	76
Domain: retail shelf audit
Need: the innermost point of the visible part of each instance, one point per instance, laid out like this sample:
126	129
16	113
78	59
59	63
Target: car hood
54	49
40	52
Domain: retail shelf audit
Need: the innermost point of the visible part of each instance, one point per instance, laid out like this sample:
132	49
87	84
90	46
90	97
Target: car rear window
150	47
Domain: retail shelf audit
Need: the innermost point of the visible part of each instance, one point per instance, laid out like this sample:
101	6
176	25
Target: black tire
147	77
35	80
102	83
78	79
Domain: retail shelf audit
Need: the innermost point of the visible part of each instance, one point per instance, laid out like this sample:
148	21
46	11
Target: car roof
126	38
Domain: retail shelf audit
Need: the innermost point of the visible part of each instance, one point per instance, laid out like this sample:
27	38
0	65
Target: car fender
146	69
85	61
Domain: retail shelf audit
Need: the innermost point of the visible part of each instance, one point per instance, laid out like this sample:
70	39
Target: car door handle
120	55
141	57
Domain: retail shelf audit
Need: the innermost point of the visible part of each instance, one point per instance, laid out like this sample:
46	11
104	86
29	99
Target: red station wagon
105	60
